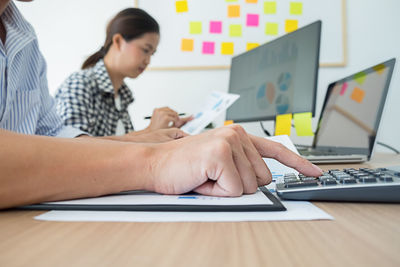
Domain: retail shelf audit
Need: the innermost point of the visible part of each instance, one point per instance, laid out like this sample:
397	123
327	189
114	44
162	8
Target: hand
221	162
165	118
155	136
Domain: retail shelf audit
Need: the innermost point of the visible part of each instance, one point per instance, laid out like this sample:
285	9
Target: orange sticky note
250	46
357	94
228	122
233	11
291	25
303	124
227	48
181	6
187	44
283	124
252	1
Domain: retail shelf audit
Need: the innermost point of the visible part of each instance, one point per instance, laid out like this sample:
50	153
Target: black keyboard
359	185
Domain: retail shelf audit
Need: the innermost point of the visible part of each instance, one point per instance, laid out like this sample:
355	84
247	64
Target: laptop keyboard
365	185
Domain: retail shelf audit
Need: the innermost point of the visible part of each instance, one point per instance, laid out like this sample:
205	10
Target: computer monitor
277	77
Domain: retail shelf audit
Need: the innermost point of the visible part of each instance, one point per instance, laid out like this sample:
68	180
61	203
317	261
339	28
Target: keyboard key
301	184
328	181
348	181
386	178
367	179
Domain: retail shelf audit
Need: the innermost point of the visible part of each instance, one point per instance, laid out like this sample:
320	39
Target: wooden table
360	235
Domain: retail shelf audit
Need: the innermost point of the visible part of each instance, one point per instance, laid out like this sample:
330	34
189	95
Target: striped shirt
25	104
86	100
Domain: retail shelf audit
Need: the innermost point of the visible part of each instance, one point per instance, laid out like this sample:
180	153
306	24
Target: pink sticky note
343	90
215	26
208	47
252	20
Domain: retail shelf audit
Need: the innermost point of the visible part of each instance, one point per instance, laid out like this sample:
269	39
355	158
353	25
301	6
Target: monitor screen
277	77
353	108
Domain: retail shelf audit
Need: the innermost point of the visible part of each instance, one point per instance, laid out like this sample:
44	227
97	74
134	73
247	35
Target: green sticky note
302	124
271	28
235	30
270	7
283	124
231	1
360	77
296	8
195	27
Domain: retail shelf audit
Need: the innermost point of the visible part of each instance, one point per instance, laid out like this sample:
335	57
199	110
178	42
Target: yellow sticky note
270	7
233	11
195	27
227	48
357	94
252	1
235	30
296	8
228	122
187	44
302	124
379	68
291	25
360	77
250	46
271	28
283	124
181	6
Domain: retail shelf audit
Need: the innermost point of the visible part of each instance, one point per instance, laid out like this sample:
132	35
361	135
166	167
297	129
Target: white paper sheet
296	210
215	104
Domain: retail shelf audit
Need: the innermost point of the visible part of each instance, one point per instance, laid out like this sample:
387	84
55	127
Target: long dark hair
131	23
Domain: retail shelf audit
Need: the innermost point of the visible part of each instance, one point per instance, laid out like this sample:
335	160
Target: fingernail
318	168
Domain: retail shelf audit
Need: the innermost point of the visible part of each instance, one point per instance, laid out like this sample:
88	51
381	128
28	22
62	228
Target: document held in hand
215	104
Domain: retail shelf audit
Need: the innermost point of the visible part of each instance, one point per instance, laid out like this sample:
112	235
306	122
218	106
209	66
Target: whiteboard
197	25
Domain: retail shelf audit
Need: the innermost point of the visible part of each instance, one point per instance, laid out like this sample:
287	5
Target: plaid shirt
86	101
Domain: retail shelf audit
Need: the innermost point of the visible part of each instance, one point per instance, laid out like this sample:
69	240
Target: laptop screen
352	110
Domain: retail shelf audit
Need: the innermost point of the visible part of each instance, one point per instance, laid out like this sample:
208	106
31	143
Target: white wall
373	36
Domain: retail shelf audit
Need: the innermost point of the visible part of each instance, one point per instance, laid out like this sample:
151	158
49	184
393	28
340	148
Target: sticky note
228	122
187	44
252	20
227	48
296	8
360	77
181	6
283	124
344	88
195	27
271	28
291	25
208	47
251	1
231	1
379	68
215	26
235	30
233	11
303	124
358	95
270	7
250	46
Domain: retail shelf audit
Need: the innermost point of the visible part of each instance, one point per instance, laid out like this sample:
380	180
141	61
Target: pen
149	117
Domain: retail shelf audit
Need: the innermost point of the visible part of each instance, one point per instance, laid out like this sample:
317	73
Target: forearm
36	169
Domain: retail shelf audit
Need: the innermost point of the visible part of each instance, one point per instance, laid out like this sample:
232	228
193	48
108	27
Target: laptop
350	117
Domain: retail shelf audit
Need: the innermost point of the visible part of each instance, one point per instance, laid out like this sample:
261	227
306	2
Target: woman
96	98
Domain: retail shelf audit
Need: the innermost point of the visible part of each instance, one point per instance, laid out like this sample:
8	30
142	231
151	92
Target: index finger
271	149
